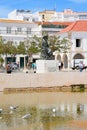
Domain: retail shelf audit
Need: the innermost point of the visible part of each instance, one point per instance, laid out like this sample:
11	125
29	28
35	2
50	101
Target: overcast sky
7	6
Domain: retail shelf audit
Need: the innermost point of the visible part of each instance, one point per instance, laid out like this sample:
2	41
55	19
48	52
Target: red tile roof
80	26
55	23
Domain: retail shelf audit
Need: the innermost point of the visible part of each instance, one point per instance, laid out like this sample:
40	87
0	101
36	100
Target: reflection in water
41	114
80	108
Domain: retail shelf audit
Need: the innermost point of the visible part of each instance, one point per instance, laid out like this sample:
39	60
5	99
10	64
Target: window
43	17
8	30
83	17
19	30
78	42
28	30
26	19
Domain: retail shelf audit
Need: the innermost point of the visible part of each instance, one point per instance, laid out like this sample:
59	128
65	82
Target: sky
6	6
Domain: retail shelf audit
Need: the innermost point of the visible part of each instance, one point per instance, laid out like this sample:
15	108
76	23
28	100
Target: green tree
53	42
13	50
7	48
57	44
1	52
64	45
35	45
33	48
1	61
21	48
1	46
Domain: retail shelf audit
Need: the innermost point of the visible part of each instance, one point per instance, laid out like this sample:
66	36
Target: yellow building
46	15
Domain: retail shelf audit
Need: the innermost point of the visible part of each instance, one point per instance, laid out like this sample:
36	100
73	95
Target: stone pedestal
44	66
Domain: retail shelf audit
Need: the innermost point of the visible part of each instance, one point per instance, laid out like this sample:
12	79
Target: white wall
18	36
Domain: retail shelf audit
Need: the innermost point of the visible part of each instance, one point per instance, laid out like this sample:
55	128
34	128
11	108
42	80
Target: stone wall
25	80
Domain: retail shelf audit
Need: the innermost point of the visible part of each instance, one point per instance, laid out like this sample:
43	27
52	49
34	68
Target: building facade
77	35
25	15
46	15
18	31
53	27
23	28
68	15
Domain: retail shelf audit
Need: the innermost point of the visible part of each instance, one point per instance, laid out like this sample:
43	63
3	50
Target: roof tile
76	26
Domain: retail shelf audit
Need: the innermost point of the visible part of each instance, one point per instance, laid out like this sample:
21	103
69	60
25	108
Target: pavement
21	79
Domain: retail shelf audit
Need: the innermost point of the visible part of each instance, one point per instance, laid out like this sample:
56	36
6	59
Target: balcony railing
15	32
54	26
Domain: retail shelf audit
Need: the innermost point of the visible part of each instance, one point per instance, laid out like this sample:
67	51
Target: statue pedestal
44	66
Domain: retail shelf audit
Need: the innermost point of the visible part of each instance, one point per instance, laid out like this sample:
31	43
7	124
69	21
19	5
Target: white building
18	30
77	34
25	15
68	15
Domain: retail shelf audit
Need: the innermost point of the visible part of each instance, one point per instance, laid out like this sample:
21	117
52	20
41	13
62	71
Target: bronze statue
46	52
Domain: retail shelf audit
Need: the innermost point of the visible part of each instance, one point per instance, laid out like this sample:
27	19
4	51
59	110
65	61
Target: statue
46	52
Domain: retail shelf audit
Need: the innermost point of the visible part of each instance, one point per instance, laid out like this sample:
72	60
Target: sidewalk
25	80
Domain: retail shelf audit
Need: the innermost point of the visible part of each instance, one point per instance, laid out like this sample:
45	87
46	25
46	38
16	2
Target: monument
47	62
46	52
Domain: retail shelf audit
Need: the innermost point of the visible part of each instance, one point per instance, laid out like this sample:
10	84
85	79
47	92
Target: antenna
55	7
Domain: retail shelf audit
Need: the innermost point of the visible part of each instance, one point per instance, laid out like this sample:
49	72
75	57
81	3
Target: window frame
78	43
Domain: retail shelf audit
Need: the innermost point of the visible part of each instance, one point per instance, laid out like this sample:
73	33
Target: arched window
78	56
59	58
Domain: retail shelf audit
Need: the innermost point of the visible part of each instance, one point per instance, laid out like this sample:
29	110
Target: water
43	111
